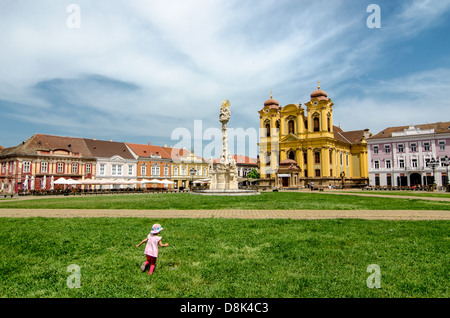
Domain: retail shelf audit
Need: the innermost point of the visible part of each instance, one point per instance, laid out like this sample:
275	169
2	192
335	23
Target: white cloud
185	57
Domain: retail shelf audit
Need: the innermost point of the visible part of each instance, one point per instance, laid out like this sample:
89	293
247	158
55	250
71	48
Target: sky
141	71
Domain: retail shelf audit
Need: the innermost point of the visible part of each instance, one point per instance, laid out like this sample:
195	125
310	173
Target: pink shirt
151	248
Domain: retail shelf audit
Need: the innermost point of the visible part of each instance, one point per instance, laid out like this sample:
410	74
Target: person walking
153	241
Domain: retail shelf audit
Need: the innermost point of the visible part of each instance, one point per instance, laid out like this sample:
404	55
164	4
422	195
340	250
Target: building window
388	180
375	149
442	145
291	155
113	170
401	163
44	167
426	146
166	170
377	164
130	170
400	148
143	170
329	123
183	171
74	168
175	171
387	148
102	169
413	147
305	158
346	160
26	166
60	167
340	158
388	164
119	170
155	170
268	130
291	127
88	168
414	163
317	157
317	172
316	123
4	168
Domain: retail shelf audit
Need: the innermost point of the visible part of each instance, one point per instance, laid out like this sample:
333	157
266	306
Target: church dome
272	103
288	162
319	94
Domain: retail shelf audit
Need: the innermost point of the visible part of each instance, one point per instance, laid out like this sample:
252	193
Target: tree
253	174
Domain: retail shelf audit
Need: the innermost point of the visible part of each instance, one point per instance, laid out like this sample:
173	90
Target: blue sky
135	71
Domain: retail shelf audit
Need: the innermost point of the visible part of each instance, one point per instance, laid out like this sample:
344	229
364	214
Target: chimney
366	133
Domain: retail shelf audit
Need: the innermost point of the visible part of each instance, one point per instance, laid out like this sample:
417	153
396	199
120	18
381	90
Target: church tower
320	114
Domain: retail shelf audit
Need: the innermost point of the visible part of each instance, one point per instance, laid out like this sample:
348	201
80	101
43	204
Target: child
151	248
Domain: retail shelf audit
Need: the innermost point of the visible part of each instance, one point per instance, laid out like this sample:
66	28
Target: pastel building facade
400	156
300	145
115	164
153	163
36	163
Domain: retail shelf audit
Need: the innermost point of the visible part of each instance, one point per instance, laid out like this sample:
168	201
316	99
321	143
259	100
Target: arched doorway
415	179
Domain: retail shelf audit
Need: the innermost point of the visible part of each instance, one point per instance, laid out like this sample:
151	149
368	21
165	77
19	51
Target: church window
329	123
268	130
291	127
291	155
317	157
316	123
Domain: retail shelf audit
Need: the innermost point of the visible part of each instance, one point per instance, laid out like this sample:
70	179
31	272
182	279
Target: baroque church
300	147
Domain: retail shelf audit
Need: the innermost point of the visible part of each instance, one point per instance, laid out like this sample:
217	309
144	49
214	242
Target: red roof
241	160
148	150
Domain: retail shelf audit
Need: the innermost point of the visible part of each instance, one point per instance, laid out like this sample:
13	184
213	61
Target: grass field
434	194
224	258
269	201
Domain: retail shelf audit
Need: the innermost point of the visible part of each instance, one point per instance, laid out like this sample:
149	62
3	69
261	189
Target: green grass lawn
270	200
406	193
224	258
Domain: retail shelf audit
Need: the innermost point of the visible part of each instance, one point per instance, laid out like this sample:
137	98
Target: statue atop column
224	177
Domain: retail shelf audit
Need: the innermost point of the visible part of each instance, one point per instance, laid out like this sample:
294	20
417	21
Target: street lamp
433	163
447	163
192	172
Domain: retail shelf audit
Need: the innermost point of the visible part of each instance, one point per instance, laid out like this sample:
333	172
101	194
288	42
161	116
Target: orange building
154	164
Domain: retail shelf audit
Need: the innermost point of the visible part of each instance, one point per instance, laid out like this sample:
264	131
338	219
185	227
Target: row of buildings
39	162
299	146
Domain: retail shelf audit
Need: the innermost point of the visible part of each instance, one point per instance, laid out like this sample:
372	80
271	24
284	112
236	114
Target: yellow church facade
300	147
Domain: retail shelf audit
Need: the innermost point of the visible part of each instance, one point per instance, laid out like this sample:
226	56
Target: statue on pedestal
224	176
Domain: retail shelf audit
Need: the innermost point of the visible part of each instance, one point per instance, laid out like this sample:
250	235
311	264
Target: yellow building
298	147
189	170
